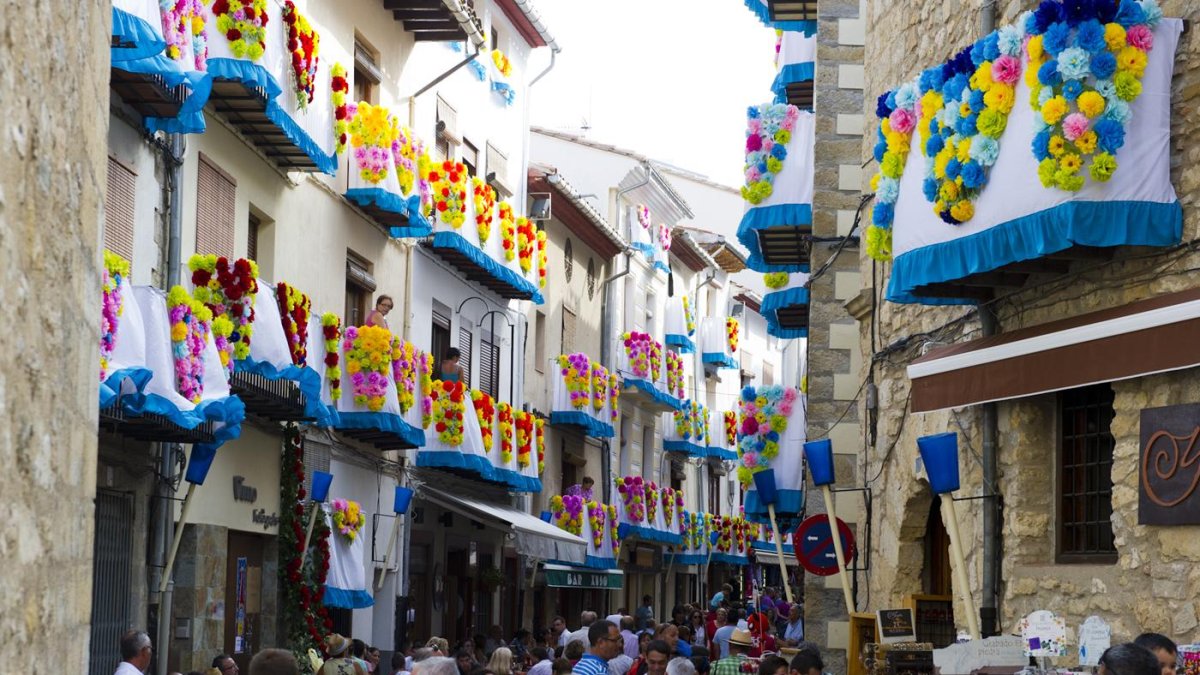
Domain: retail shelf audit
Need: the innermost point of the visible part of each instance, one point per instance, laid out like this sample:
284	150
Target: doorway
937	553
243	598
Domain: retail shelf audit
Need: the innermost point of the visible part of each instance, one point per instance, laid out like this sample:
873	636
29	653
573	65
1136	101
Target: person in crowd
520	645
574	651
719	649
773	665
1129	659
733	594
721	597
435	665
501	662
399	664
698	630
418	655
582	489
736	647
494	639
606	642
645	614
1163	648
136	653
378	316
716	620
373	658
658	654
670	635
793	635
620	664
644	639
480	643
558	632
358	651
679	615
562	666
274	662
542	663
340	662
806	662
631	638
685	636
450	370
763	631
465	658
225	664
702	664
439	645
587	618
681	666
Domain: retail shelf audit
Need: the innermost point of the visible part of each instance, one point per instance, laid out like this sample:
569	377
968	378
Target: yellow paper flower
1070	162
1086	143
1034	47
1131	59
1114	37
1057	145
1000	97
1090	103
1054	109
963	210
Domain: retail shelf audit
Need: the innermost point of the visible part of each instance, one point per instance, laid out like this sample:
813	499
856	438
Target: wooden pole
837	547
183	516
387	556
312	520
960	565
779	552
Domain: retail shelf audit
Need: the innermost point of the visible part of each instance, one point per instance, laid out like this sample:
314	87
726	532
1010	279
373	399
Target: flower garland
893	142
614	394
502	63
294	308
341	111
485	412
682	515
406	155
183	23
614	528
689	317
675	374
425	372
633	496
190	326
596	518
764	419
526	239
448	410
731	334
664	236
700	422
368	356
506	437
576	372
652	497
775	280
304	44
668	505
112	306
508	231
542	262
525	434
373	131
348	518
568	512
1089	61
425	169
485	207
404	373
540	426
683	423
643	216
450	192
731	426
303	612
725	538
331	330
769	129
637	352
244	24
656	359
600	380
228	291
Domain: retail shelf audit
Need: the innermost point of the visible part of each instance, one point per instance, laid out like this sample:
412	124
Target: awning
770	557
565	576
1142	338
534	537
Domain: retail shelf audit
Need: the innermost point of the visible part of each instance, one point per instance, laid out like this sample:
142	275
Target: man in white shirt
793	635
543	664
136	653
587	618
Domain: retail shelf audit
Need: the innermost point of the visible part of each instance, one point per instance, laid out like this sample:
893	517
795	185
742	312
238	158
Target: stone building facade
1153	580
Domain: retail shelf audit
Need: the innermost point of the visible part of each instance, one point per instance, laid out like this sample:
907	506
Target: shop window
360	284
119	203
440	336
1085	460
367	75
216	194
539	341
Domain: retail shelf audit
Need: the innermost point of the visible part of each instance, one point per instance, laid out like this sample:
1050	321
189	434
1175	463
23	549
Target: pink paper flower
903	121
753	143
1075	126
1006	69
1140	36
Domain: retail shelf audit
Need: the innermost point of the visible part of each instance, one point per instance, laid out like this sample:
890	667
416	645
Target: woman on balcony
378	316
450	370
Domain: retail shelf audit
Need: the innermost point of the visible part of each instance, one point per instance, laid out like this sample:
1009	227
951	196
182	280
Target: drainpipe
992	544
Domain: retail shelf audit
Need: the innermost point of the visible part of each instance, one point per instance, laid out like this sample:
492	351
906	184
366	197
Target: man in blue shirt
721	638
645	613
793	635
606	643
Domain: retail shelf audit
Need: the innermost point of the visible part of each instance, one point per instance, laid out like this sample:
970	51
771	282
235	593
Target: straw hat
742	638
336	645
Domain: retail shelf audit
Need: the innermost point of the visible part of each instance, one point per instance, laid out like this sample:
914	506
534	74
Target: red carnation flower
331	359
233	35
339	84
221	7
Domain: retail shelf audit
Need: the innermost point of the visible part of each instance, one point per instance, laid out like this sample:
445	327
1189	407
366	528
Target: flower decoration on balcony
633	496
725	536
683	424
485	411
348	518
190	325
540	431
764	419
689	317
425	368
304	45
339	87
614	528
525	437
700	423
637	352
372	132
228	291
656	359
731	334
664	236
597	519
893	142
406	155
652	497
244	24
508	231
526	241
568	512
404	373
425	168
542	263
775	280
731	426
502	63
668	505
643	216
448	411
681	515
1084	69
294	309
769	129
368	357
485	207
505	414
614	394
600	380
112	306
183	25
675	374
331	330
576	373
449	183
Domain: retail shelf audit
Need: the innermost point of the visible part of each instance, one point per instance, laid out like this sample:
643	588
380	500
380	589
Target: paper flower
368	352
244	25
576	372
768	131
184	27
542	262
485	412
675	375
526	243
228	291
567	512
597	517
407	151
540	431
614	393
339	86
485	207
331	331
449	184
731	334
643	216
525	436
190	325
763	415
508	231
425	373
304	46
115	270
348	518
689	317
507	426
600	380
448	410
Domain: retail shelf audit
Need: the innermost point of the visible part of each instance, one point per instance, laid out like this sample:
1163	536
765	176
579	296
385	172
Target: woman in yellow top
340	662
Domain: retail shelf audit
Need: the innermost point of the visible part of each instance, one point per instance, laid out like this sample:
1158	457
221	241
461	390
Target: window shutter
215	195
465	340
489	367
119	209
568	331
252	238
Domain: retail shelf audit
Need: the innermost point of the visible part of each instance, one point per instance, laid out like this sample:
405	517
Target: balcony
641	365
648	511
686	431
795	61
789	15
384	179
584	395
785	307
434	20
595	523
719	342
734	540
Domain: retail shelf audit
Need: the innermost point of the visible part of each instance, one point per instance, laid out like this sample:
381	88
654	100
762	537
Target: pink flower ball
1140	36
1075	126
903	120
753	143
1006	69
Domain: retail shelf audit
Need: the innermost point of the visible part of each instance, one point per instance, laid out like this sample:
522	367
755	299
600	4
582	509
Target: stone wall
1156	579
52	181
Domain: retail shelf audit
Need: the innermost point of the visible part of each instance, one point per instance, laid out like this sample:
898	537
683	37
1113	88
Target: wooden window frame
366	68
1062	556
489	342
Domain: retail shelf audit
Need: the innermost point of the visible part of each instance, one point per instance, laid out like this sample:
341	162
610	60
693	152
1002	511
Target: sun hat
742	638
336	645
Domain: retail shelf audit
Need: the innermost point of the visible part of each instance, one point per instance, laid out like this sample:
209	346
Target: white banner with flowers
124	370
694	547
384	163
639	510
369	398
771	437
680	324
778	187
595	523
716	345
346	583
683	430
453	438
795	59
732	544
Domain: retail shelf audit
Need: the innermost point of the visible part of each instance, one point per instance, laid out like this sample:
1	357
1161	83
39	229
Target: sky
670	79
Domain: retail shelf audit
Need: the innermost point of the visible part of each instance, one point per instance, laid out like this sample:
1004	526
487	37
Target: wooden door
243	598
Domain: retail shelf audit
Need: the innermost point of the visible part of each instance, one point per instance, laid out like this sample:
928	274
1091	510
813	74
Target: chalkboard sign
896	625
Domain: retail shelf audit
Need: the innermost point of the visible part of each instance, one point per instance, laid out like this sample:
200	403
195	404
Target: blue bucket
546	515
403	499
819	455
320	485
939	454
199	463
713	537
764	482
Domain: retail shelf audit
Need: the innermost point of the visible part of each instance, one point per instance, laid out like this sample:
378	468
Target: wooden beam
430	26
414	4
955	292
439	36
431	13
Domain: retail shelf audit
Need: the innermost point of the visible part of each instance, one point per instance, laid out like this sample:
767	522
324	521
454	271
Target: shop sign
1169	466
243	492
569	577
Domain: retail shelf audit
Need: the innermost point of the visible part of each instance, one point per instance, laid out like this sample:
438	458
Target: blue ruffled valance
326	162
505	90
773	302
719	359
110	389
765	217
686	447
730	559
650	390
648	534
722	453
384	422
190	119
340	597
789	74
133	38
1099	224
418	225
789	503
455	241
662	267
308	380
226	413
250	74
759	9
687	558
590	425
683	342
769	546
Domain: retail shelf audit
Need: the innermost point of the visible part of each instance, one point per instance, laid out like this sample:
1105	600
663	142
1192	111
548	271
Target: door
110	579
243	598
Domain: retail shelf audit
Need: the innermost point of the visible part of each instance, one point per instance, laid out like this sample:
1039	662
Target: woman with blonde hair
501	661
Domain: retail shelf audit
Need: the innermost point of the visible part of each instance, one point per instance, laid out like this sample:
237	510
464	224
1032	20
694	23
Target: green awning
565	576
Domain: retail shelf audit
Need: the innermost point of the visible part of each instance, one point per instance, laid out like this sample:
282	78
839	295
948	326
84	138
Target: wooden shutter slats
216	195
119	209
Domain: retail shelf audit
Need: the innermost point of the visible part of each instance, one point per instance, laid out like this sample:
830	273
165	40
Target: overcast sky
670	79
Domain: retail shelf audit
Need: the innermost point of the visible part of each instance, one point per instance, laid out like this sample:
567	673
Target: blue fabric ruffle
650	534
381	421
765	217
591	426
768	546
773	302
227	413
136	38
650	390
505	90
417	226
340	597
246	72
721	360
443	459
792	72
519	284
730	559
326	162
789	503
759	9
722	453
646	249
477	69
110	388
308	379
687	447
687	558
683	342
1099	224
515	481
190	119
659	265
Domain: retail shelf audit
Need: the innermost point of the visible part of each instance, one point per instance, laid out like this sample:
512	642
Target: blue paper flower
1110	135
907	95
1117	110
1056	38
1130	13
752	112
934	145
1107	89
972	175
888	190
773	436
947	218
1104	65
930	188
1152	12
1090	36
882	109
1071	90
779	151
953	167
977	56
1077	11
1049	12
991	46
985	150
881	215
880	148
1041	145
1048	73
954	87
748	394
975	100
891	100
1009	40
967	125
1074	63
931	79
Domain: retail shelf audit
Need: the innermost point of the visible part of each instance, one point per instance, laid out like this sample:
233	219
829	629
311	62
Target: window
216	192
651	303
497	172
446	133
1085	475
714	492
768	374
119	204
489	366
466	340
367	75
360	284
649	466
252	237
439	342
539	341
567	338
570	472
568	260
591	278
495	38
470	157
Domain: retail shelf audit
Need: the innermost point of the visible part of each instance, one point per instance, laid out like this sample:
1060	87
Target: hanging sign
813	542
1168	465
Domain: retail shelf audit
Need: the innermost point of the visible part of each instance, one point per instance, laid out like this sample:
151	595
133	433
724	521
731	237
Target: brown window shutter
465	341
119	209
216	192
